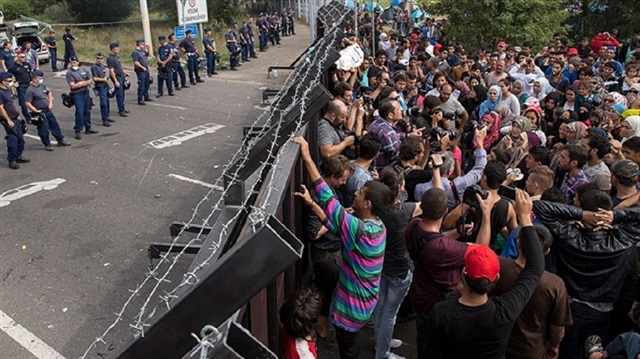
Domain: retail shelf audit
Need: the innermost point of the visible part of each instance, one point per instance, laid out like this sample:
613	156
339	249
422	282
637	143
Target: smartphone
507	192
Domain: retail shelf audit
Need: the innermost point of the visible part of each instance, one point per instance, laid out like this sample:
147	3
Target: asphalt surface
69	255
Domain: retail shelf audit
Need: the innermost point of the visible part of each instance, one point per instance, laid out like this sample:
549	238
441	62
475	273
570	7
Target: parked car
28	31
5	31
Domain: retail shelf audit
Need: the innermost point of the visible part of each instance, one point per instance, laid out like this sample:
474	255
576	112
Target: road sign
192	12
180	30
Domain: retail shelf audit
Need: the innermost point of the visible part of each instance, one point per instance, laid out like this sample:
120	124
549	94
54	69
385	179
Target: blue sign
179	31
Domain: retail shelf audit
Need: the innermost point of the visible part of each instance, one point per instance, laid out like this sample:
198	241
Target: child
570	99
299	315
632	77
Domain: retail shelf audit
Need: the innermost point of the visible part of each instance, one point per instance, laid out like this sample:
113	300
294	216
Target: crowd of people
22	78
496	190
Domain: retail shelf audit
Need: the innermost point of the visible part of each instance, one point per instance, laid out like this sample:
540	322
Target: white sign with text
192	12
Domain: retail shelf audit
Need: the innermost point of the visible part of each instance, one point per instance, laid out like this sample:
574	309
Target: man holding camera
450	105
333	137
39	101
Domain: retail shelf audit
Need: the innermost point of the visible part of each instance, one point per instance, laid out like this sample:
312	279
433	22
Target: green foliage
592	17
12	9
101	10
474	22
57	13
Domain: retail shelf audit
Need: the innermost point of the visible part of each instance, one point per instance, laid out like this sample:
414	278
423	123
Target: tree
592	17
474	22
101	10
12	9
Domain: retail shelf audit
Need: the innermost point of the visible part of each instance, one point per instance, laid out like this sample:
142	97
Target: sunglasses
608	100
634	91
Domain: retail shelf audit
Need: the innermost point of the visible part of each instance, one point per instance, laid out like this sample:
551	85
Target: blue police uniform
252	50
178	71
284	19
263	32
244	42
113	62
189	47
211	65
292	30
230	38
164	52
102	89
81	99
15	140
53	51
8	56
38	97
69	51
141	56
22	73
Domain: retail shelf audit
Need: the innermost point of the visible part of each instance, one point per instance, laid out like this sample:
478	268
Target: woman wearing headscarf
519	149
506	116
540	88
630	128
477	95
464	91
538	125
512	133
576	131
518	89
491	121
584	113
495	98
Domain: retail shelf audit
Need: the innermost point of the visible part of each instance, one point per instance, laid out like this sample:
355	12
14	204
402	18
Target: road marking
163	105
178	138
203	184
25	338
62	73
53	142
34	187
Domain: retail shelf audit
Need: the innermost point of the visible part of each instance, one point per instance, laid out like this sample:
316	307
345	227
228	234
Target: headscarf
533	139
464	90
519	152
494	131
544	87
579	128
506	116
634	122
524	123
618	98
488	105
619	108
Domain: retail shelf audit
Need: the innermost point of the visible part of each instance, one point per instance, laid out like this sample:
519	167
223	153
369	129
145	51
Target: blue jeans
68	52
586	321
103	93
50	124
192	66
22	101
15	147
625	345
178	74
143	85
168	80
252	50
211	65
120	94
53	55
392	293
82	102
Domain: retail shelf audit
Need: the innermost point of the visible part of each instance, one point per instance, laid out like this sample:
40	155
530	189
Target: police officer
210	51
68	46
140	57
284	22
292	30
263	32
252	41
52	45
276	26
165	71
188	46
40	103
230	38
7	56
118	76
100	75
244	42
11	123
178	71
21	70
79	80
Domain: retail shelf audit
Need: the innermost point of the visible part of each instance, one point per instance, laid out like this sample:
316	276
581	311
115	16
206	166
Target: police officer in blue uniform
69	51
165	68
100	75
40	103
244	41
178	71
79	80
188	46
292	30
118	76
232	46
11	123
52	45
284	22
263	28
252	41
210	51
140	57
21	70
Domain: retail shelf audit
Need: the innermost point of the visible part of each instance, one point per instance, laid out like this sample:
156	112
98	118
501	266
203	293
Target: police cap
161	38
5	75
38	73
207	29
113	45
100	55
73	58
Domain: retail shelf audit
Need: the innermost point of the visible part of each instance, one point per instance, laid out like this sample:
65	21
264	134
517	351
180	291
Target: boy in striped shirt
363	237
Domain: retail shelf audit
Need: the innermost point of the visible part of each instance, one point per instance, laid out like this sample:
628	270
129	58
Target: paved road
75	243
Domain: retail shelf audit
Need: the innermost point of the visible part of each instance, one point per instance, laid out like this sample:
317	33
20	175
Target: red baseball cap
481	262
572	52
414	36
502	43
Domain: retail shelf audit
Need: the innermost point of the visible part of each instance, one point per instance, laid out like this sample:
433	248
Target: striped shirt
364	243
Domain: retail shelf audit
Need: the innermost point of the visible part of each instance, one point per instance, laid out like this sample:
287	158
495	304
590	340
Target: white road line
53	142
34	187
25	338
180	137
163	105
204	184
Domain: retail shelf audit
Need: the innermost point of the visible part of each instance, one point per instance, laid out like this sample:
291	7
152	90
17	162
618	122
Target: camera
436	135
414	111
449	116
469	197
475	125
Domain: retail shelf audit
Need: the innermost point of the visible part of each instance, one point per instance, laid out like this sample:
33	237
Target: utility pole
146	27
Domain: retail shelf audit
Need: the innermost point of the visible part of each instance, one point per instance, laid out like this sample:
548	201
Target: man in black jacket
596	259
473	325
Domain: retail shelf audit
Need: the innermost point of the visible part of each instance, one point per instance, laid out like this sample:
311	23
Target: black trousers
347	345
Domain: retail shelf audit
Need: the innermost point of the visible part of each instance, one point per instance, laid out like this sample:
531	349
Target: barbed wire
256	214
